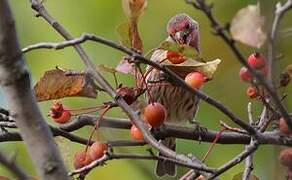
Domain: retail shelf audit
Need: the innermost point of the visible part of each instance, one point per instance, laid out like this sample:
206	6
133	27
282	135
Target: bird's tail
166	167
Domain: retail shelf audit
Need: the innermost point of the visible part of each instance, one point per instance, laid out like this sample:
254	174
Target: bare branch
239	158
110	156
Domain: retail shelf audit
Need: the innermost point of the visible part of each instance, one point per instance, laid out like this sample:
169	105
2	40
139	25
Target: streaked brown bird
181	106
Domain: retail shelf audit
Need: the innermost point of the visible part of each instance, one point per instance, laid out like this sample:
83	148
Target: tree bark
15	81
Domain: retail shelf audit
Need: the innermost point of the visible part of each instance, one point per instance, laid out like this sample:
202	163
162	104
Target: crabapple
81	159
283	127
154	114
136	133
252	92
245	75
175	58
97	150
285	157
256	60
195	79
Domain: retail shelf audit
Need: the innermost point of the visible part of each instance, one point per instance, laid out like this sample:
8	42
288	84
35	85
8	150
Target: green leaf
183	49
208	68
239	177
123	31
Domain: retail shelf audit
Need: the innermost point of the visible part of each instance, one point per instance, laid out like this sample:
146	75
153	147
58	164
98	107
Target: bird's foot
200	130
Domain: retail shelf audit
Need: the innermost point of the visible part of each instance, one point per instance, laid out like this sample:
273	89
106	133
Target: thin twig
239	158
111	156
248	166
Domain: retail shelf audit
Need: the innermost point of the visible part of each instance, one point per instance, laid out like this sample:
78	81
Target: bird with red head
182	29
181	106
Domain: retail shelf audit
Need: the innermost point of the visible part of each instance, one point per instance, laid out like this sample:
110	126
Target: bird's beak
179	37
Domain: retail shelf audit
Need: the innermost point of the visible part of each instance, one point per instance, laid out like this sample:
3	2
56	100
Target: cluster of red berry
257	61
62	115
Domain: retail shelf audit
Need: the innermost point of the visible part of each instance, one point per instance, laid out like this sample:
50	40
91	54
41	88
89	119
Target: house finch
180	104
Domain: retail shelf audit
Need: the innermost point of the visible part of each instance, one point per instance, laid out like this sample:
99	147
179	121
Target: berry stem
218	135
116	80
108	107
79	111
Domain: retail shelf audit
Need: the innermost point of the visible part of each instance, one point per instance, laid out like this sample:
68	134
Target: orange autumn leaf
56	84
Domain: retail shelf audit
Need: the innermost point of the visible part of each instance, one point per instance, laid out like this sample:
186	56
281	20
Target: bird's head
184	30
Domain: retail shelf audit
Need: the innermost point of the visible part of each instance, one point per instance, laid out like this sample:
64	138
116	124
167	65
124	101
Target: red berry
245	75
252	92
64	118
283	127
97	150
127	93
154	114
195	79
256	60
81	159
136	133
175	57
285	157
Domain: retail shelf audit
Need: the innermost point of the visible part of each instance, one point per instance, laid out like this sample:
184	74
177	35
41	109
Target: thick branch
177	131
14	79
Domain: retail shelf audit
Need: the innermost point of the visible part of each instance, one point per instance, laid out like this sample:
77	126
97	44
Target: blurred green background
102	17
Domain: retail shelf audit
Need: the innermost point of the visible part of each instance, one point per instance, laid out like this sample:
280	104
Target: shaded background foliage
102	18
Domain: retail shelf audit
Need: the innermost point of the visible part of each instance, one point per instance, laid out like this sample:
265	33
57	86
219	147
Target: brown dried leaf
247	26
123	31
136	41
55	84
134	8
